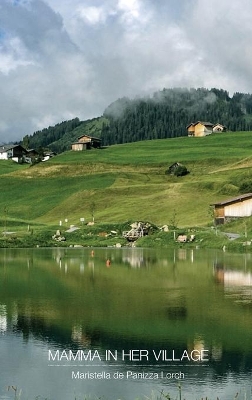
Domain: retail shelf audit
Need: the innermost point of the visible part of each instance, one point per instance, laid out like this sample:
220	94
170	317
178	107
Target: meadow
128	182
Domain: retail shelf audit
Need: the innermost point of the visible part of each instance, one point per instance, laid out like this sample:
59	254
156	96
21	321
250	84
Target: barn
236	207
86	142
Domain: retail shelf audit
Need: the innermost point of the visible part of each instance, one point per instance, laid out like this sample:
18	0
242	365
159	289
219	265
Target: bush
229	189
177	169
246	186
181	170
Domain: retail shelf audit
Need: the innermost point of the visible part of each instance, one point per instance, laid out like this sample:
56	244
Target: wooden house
86	142
236	207
200	128
32	153
15	152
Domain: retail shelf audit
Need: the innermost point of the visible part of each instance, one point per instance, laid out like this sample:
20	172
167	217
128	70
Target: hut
236	207
86	142
219	128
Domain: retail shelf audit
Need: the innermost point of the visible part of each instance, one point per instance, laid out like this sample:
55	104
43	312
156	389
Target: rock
58	238
72	229
138	229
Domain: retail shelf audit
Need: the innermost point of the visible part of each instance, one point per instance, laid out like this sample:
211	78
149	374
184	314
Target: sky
61	59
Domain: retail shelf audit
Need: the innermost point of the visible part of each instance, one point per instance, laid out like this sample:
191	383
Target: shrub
246	186
177	169
229	189
181	170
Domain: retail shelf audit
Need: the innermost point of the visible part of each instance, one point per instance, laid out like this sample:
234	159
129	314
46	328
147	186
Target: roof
200	122
7	147
218	124
224	126
234	199
203	123
175	164
90	137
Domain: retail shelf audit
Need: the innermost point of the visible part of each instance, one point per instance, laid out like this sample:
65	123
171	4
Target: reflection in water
237	284
80	338
134	257
147	299
3	318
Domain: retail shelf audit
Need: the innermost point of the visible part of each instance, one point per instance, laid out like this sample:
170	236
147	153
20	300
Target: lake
125	323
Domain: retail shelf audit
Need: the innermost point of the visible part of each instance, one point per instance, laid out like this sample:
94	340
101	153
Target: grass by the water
154	395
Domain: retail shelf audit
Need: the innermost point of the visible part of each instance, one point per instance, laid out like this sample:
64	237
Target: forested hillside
165	114
59	138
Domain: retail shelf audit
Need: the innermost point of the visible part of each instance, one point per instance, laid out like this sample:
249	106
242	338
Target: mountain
165	114
59	138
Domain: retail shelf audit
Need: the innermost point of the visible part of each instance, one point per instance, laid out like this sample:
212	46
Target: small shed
236	207
32	153
86	142
219	128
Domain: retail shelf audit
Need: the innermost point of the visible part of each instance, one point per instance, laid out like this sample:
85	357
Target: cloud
61	59
91	15
224	42
13	55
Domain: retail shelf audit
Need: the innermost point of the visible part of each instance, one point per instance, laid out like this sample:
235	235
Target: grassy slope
128	182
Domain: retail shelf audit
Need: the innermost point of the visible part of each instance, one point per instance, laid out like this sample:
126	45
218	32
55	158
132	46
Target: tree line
165	114
51	137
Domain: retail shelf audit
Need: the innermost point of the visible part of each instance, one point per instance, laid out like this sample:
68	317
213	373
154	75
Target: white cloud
13	54
131	10
92	15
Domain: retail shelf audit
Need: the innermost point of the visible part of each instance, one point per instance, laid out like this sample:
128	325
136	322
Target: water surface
73	326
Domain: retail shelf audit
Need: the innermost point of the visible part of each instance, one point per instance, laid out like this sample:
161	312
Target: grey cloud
48	89
223	39
30	23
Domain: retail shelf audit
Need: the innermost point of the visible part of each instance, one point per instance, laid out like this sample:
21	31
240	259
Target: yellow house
200	128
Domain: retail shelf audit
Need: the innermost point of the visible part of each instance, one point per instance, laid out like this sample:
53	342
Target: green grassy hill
128	182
